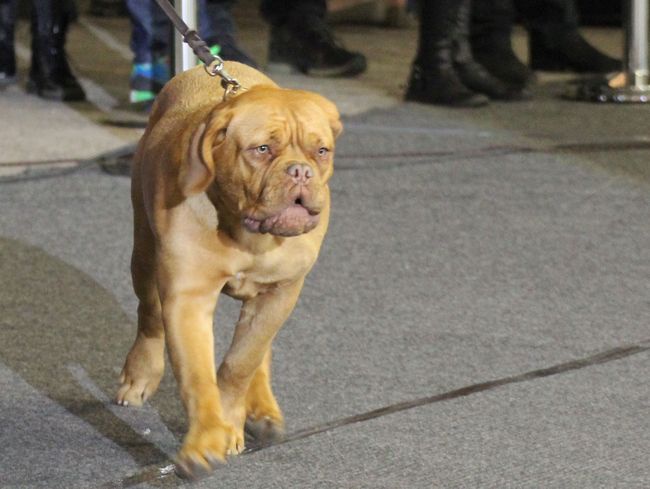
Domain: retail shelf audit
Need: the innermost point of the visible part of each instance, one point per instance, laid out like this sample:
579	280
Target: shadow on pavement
55	320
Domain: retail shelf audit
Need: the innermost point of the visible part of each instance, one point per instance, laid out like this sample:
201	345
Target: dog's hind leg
145	363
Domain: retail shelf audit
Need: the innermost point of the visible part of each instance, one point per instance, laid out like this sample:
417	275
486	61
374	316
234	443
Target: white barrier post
636	44
634	88
184	57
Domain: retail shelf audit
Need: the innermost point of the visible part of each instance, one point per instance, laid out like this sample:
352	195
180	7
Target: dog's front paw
236	443
234	413
204	448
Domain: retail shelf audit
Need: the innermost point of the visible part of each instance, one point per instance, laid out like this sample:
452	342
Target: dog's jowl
228	196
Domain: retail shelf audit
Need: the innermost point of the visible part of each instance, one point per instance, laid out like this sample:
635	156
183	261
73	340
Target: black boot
471	73
568	52
65	76
434	79
556	43
310	47
490	38
50	75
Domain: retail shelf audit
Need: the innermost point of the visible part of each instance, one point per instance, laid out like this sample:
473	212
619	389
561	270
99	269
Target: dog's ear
197	172
336	125
332	114
335	119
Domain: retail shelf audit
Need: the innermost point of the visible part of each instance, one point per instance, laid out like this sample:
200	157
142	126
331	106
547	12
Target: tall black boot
491	41
471	73
555	41
63	72
434	79
50	75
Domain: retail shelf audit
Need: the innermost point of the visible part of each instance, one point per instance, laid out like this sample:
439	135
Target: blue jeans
151	34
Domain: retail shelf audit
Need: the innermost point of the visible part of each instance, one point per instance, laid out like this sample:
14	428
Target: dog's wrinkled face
271	155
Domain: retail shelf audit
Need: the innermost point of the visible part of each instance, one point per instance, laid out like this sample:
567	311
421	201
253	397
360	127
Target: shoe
310	48
42	73
471	73
434	79
441	87
50	75
495	54
7	66
477	78
53	82
147	80
570	52
490	39
73	90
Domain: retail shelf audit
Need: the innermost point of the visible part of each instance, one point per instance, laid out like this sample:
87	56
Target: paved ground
478	317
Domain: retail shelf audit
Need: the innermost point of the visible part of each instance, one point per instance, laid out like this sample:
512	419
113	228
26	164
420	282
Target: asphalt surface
478	317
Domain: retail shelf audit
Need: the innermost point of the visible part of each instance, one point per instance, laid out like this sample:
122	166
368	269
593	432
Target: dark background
600	12
592	12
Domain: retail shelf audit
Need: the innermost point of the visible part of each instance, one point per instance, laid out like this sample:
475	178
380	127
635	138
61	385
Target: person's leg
471	73
302	41
434	79
50	76
278	12
107	8
7	51
63	73
490	38
556	43
217	29
150	45
41	72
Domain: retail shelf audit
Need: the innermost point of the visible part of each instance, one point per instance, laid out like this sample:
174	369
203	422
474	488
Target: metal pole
184	57
636	44
635	88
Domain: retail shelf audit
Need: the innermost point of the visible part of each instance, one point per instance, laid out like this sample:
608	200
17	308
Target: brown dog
228	196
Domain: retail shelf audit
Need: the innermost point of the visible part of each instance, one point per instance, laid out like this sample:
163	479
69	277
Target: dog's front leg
261	318
188	311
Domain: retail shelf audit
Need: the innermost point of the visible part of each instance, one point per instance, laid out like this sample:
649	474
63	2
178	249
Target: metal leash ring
229	84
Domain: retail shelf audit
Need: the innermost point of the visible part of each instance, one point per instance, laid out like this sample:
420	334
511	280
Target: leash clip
228	82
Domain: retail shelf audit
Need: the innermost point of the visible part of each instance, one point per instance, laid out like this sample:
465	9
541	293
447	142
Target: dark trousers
7	23
549	18
152	30
278	12
48	17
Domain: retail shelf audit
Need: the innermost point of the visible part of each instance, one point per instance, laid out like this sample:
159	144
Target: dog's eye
323	151
263	149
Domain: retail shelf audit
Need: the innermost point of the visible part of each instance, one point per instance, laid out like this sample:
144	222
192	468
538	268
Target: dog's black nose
300	173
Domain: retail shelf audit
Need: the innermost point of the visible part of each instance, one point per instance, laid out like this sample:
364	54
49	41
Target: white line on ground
145	421
97	96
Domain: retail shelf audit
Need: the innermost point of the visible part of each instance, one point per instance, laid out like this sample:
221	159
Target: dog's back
194	89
